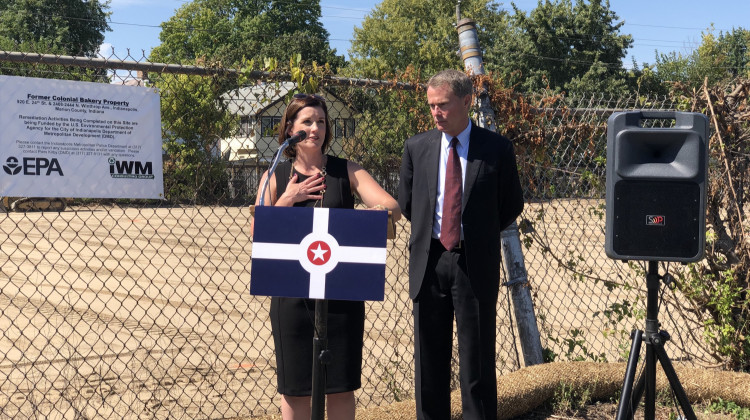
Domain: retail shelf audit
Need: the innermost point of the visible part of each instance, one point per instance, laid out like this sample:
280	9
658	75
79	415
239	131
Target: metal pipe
468	42
515	269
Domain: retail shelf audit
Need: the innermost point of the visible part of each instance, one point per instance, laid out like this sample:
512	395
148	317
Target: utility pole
515	268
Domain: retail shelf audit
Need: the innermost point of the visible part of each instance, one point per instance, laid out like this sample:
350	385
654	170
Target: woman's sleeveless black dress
292	318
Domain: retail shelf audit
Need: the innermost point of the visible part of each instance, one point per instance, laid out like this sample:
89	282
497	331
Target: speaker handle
661	115
682	119
634	118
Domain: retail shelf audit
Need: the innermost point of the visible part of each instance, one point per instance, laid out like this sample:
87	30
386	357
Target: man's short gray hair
458	82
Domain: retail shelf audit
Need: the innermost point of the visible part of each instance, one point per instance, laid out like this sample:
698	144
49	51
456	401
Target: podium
321	254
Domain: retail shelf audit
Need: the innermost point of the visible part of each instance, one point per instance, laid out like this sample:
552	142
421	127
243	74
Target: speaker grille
655	219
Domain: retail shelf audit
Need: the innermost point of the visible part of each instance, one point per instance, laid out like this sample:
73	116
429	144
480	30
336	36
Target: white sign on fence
61	138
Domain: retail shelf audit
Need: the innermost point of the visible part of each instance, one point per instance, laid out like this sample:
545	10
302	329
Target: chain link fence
139	308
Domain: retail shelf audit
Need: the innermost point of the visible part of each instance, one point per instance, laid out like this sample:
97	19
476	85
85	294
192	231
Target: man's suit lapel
473	163
433	165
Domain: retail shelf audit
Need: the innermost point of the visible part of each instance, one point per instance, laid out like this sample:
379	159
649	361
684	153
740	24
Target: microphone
298	137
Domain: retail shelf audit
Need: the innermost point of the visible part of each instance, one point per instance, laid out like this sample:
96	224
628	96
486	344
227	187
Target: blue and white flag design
319	253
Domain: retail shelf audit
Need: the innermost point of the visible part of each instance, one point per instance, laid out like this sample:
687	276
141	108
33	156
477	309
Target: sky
663	25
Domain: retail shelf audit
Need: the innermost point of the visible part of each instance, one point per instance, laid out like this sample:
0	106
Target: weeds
729	407
569	400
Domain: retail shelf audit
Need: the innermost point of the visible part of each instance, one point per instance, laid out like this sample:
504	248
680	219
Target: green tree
558	44
72	27
418	33
735	46
564	46
718	59
228	31
645	80
193	171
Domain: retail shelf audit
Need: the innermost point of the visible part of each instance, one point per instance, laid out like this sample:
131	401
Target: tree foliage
719	59
228	31
402	33
72	27
193	171
559	44
564	46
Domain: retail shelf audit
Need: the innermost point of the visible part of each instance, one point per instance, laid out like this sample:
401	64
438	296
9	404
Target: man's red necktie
450	228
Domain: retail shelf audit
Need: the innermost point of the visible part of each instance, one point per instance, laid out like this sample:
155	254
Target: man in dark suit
454	265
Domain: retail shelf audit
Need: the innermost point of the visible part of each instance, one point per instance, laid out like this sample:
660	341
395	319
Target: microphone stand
274	163
321	357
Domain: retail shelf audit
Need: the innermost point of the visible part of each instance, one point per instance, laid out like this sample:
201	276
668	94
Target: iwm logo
34	166
131	169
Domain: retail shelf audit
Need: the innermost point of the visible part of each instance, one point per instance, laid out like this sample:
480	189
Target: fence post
513	262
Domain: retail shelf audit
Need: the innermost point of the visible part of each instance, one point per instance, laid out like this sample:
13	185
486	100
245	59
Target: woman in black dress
311	178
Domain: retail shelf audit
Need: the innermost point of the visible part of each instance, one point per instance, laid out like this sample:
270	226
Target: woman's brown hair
299	101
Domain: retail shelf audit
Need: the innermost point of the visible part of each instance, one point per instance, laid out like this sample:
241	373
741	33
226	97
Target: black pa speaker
656	186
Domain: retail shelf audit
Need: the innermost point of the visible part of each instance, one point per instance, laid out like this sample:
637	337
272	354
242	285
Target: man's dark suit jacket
492	200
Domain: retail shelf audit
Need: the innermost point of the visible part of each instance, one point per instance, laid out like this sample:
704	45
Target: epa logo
35	166
11	166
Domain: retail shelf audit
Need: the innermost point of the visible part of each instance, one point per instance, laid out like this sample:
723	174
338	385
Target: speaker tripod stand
655	339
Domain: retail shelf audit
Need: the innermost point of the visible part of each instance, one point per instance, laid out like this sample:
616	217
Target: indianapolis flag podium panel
319	253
